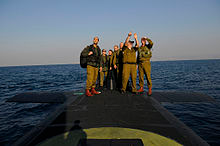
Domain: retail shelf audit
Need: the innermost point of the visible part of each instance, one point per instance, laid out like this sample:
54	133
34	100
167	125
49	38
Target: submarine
111	119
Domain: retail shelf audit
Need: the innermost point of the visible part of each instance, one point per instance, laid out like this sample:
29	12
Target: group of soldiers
111	67
122	62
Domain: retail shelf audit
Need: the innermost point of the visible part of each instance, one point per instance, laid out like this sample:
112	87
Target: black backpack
83	59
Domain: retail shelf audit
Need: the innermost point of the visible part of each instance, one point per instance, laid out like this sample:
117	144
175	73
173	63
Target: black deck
61	97
112	109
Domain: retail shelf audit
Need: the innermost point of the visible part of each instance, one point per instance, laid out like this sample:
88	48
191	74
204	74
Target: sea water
199	76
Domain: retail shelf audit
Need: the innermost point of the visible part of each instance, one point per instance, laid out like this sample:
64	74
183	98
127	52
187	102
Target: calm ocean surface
199	75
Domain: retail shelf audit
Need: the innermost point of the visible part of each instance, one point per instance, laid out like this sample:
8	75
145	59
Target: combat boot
88	93
93	91
149	92
140	90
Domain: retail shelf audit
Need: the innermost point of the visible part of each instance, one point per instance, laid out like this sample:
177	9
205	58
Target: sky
35	32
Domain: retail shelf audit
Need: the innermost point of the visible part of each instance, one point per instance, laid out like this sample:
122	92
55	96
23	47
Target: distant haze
54	32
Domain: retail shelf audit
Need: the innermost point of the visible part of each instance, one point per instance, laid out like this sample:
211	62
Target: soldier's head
130	44
96	40
121	45
115	47
110	52
143	41
103	52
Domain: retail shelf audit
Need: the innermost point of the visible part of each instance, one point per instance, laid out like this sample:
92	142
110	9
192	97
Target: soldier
110	59
110	76
129	63
144	65
116	64
103	67
120	66
93	54
116	57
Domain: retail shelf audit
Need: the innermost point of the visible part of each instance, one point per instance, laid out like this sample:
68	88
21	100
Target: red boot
140	90
150	92
93	91
88	93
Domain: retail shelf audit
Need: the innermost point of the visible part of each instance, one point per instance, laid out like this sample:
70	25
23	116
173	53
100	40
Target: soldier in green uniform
115	63
120	66
103	67
129	63
144	65
116	57
110	76
110	59
93	54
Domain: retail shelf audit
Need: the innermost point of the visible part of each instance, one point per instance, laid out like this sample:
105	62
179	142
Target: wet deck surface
112	109
61	97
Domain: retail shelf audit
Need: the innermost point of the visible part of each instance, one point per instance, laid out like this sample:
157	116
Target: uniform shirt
116	57
129	55
144	52
104	63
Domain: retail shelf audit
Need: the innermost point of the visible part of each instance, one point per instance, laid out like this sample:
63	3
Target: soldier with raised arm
144	65
129	63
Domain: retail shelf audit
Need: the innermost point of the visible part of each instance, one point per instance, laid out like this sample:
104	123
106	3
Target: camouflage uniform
104	72
144	65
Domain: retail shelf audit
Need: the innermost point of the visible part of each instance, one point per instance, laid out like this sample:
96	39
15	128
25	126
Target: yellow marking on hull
72	137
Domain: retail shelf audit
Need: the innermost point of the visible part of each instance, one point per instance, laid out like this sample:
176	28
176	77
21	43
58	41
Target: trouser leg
133	72
141	74
115	75
95	75
120	76
147	70
105	79
101	78
125	76
89	77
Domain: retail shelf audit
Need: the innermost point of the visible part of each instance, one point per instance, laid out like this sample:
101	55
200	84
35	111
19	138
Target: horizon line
79	62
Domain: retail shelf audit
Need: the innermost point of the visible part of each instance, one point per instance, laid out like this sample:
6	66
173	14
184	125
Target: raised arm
150	43
136	40
127	39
